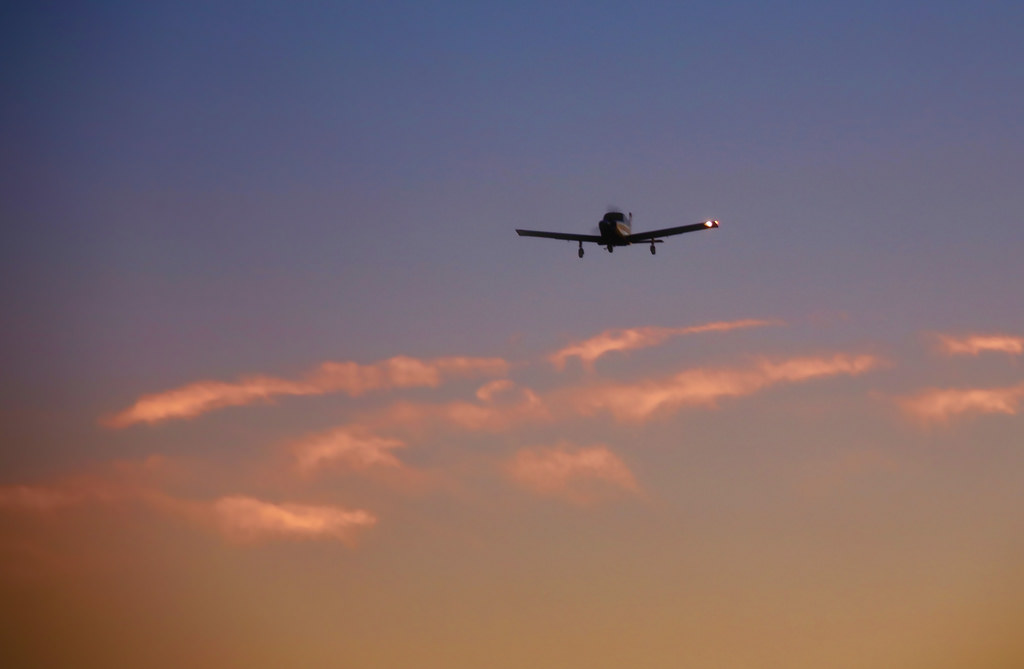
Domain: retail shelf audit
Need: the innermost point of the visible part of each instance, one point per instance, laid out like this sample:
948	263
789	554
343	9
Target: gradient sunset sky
280	386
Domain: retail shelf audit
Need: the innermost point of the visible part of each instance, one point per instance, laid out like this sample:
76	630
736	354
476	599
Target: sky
281	386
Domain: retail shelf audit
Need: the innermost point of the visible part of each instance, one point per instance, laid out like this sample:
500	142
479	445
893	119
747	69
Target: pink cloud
330	377
350	447
975	344
705	387
202	397
943	404
581	475
237	517
628	339
497	390
247	519
501	405
112	482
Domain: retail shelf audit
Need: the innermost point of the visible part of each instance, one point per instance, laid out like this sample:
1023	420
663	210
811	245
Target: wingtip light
710	224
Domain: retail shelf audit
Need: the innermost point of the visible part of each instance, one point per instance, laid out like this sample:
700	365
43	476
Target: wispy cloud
500	405
976	344
706	386
938	405
237	517
628	339
579	474
111	482
350	447
202	397
330	377
247	519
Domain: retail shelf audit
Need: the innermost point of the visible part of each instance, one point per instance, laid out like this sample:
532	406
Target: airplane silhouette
617	230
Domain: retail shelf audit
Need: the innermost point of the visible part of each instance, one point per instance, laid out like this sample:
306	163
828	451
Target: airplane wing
560	235
668	232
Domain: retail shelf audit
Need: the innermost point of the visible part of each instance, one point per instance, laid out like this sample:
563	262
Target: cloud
350	447
400	372
247	519
629	339
704	387
237	517
939	405
202	397
497	390
357	449
330	377
112	482
581	475
500	405
975	344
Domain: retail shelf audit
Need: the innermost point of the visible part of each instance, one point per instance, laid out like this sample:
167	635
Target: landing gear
610	248
653	249
580	252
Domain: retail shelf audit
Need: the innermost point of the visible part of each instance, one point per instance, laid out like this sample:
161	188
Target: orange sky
820	508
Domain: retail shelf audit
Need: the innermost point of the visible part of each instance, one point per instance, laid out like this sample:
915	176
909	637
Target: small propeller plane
616	229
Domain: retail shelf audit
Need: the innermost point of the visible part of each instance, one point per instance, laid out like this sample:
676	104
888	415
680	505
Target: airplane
617	230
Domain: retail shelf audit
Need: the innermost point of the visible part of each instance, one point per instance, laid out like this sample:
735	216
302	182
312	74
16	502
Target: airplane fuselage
615	229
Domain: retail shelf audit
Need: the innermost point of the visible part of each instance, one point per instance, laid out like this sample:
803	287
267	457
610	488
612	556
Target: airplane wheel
653	250
581	252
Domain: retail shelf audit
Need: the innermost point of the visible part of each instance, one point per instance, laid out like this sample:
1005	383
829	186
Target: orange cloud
115	481
591	349
942	404
497	390
975	344
247	519
202	397
704	387
580	475
501	405
238	518
348	446
348	377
